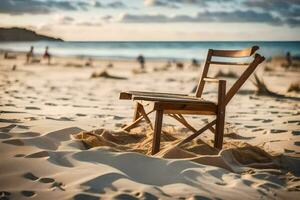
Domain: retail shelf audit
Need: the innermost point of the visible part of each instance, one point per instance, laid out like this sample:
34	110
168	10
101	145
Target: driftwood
105	74
262	89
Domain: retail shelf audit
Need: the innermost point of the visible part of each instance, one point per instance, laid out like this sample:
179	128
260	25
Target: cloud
18	7
115	4
86	23
160	3
293	21
207	16
64	20
181	3
283	7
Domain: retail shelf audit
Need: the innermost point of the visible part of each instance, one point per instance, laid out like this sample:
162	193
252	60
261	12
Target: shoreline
182	51
103	58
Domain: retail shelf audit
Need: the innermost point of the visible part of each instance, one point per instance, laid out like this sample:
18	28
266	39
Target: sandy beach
61	134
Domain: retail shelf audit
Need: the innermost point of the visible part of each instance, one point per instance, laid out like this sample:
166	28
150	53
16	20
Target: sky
152	20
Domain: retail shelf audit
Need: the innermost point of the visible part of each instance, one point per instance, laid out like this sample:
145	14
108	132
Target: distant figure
141	60
289	59
29	55
110	65
195	63
89	62
47	55
179	65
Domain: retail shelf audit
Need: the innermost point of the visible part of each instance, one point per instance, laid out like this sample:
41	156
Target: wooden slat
156	93
228	63
180	106
201	82
190	112
129	94
172	99
238	84
235	53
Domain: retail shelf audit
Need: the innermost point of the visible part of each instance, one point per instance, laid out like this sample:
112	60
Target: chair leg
136	122
219	132
136	114
220	116
157	131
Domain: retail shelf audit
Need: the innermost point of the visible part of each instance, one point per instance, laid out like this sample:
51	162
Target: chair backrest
251	66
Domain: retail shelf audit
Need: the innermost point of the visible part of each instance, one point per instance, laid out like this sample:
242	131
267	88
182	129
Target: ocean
151	50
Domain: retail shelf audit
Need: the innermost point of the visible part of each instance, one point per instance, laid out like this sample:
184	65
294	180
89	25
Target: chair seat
180	105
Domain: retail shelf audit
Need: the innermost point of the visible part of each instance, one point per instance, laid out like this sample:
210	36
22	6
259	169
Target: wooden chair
175	105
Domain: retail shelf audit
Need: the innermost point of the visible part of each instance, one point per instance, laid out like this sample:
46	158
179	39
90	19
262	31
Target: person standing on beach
47	55
29	55
141	60
289	59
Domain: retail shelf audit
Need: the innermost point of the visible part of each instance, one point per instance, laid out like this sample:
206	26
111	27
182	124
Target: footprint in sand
9	104
80	115
50	104
60	119
10	112
30	176
277	131
198	197
28	193
32	108
10	120
20	155
267	120
46	180
293	121
296	132
85	197
126	196
118	117
248	126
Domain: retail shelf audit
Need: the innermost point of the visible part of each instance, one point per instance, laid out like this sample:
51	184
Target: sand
61	135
